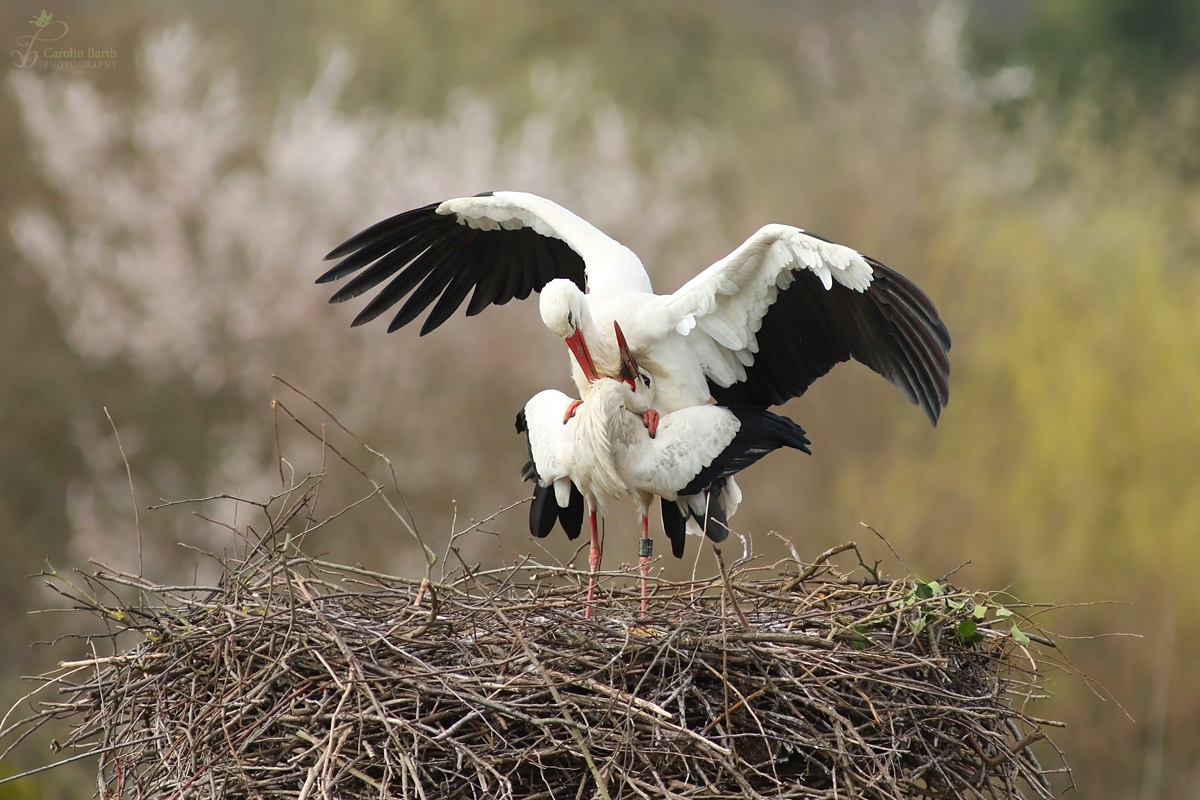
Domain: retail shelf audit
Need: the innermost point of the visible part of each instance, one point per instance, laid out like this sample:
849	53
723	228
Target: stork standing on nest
584	453
754	329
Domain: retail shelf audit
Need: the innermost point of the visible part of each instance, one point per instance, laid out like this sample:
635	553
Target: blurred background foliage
1033	166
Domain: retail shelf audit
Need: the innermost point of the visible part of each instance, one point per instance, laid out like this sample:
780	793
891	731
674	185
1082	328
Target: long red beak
579	349
629	367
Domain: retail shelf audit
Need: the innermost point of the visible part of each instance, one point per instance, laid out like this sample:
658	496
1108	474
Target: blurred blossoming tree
193	233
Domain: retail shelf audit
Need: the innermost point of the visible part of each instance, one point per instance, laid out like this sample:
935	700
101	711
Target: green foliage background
1059	234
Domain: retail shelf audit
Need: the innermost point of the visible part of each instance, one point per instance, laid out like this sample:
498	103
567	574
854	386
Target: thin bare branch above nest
303	678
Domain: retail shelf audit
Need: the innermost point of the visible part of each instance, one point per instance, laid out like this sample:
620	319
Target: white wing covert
686	442
549	439
786	306
555	498
495	246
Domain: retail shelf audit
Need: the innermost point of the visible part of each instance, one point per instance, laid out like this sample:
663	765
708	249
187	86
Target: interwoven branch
299	678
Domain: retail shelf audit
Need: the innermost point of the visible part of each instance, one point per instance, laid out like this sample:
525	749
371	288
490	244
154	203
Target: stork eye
645	379
570	319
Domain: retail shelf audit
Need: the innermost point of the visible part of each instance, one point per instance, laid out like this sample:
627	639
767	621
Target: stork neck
608	409
593	446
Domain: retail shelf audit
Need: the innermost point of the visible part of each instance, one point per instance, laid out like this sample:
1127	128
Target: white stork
755	328
583	454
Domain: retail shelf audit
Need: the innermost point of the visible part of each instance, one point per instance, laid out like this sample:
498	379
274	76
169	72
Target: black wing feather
712	520
360	259
429	289
487	290
434	256
571	517
511	256
466	280
391	263
761	432
714	523
528	274
386	229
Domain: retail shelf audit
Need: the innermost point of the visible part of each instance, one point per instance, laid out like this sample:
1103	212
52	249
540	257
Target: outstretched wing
786	306
494	246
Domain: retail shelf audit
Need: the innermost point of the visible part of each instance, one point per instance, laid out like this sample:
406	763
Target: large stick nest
299	678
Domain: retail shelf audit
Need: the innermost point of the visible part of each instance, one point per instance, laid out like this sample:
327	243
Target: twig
883	539
601	783
812	568
430	556
137	520
410	523
77	757
729	589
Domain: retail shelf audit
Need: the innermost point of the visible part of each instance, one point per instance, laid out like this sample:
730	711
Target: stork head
563	305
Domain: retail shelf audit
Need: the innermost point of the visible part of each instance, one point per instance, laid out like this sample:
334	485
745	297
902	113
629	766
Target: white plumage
755	328
605	449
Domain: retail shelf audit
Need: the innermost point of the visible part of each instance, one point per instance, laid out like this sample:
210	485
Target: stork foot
650	420
571	410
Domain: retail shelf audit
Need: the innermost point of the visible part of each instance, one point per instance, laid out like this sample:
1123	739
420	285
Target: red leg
593	562
644	561
650	419
571	410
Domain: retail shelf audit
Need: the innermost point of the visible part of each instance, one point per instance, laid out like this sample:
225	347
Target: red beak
583	357
629	367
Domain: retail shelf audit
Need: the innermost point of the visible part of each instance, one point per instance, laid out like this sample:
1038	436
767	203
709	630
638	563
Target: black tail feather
675	524
543	511
713	521
571	517
761	432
